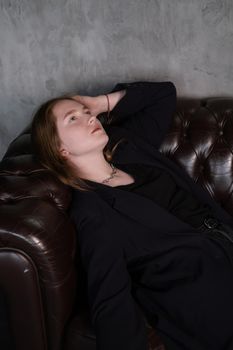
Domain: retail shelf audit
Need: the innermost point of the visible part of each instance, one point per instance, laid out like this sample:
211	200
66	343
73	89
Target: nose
92	119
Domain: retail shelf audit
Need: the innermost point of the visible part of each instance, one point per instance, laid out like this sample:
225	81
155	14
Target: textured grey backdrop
50	47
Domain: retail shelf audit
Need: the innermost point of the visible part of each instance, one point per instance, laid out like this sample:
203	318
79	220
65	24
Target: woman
152	241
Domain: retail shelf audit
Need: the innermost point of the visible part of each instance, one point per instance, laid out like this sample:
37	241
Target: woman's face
75	127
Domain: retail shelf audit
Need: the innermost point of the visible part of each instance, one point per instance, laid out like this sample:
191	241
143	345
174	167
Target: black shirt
161	187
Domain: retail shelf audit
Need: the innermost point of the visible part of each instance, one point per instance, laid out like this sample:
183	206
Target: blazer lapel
148	213
143	210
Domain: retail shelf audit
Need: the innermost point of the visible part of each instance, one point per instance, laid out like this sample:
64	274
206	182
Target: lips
96	128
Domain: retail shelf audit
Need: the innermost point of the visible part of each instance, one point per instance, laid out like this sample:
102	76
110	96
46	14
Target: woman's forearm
114	98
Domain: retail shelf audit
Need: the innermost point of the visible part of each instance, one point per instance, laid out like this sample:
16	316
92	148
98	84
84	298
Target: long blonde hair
46	142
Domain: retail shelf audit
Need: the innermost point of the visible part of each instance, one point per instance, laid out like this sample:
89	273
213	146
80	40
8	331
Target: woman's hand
96	104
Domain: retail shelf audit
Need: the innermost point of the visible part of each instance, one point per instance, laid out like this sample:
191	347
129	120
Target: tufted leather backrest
200	140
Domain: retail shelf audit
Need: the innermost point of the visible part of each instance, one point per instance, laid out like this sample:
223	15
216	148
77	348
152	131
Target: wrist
102	103
114	98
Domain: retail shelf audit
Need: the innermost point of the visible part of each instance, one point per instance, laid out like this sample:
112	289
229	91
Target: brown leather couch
42	282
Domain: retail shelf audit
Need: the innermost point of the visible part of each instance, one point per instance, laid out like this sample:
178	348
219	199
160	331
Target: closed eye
86	110
73	117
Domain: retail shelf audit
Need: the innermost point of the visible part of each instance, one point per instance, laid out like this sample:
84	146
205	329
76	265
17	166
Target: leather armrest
43	232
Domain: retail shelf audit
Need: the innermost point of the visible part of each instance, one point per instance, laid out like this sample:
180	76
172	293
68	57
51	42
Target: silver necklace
114	170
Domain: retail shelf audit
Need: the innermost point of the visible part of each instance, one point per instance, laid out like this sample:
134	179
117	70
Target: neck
93	168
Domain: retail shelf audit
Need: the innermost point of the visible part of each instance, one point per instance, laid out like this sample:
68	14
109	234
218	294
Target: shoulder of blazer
87	204
83	198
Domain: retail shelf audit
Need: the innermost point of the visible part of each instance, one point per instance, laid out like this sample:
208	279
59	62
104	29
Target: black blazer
120	231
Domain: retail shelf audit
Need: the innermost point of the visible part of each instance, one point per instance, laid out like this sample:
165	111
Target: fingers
77	97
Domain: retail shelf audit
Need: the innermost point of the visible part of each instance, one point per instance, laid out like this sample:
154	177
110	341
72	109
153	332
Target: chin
106	137
105	142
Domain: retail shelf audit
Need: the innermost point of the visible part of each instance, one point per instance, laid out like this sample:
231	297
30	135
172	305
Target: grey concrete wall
86	46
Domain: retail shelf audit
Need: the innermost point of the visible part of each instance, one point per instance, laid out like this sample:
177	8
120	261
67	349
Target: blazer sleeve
117	319
146	109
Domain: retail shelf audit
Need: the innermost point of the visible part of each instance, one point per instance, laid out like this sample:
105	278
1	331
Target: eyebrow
69	112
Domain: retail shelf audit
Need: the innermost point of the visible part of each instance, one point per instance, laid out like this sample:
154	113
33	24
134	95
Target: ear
64	152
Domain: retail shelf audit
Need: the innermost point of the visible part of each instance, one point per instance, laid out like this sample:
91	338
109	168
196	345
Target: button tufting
220	132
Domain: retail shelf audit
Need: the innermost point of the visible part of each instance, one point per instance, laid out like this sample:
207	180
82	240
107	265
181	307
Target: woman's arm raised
146	109
99	104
